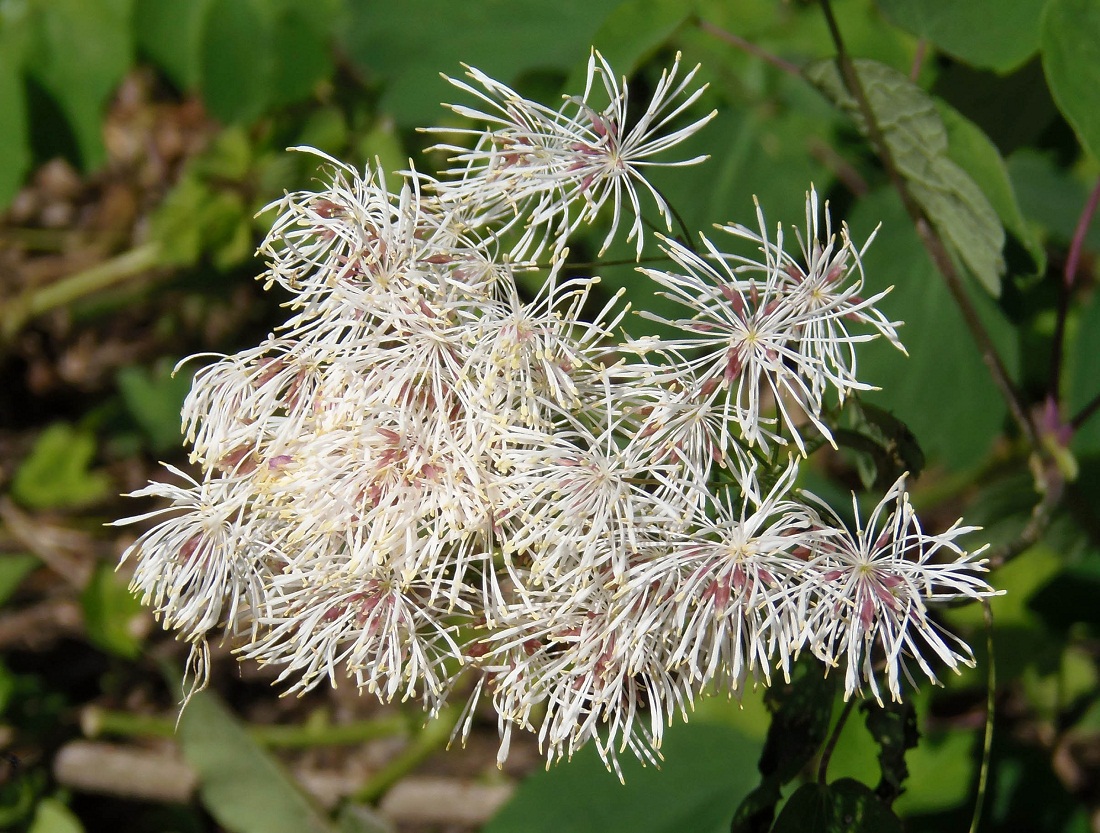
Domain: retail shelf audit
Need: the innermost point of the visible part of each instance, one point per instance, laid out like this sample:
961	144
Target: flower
425	474
726	591
773	332
872	591
535	163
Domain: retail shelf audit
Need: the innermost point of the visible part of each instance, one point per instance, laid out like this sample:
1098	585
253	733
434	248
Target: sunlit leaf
973	151
707	769
14	567
52	816
56	474
112	616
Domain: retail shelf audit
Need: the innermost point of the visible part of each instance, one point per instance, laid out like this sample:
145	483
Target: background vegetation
138	140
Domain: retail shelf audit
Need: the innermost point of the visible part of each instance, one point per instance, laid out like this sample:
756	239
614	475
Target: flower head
535	163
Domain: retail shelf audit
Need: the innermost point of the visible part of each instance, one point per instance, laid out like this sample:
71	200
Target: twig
834	738
841	168
1069	277
1083	415
751	48
931	240
430	738
990	704
18	311
918	60
1041	515
97	722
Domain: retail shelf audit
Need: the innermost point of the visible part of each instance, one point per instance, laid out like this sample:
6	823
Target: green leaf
894	728
1070	42
884	445
301	35
801	710
1051	197
702	777
992	34
979	157
13	124
845	806
54	817
168	32
955	430
14	567
941	770
113	617
155	398
631	33
55	474
236	59
82	50
1084	385
406	45
242	786
918	143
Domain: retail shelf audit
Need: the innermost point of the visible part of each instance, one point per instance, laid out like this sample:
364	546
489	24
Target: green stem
834	738
430	738
97	722
102	276
990	703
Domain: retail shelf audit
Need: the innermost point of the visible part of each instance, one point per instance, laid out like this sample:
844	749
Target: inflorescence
424	476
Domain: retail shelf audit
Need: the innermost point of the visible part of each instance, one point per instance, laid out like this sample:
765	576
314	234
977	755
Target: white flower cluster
425	476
